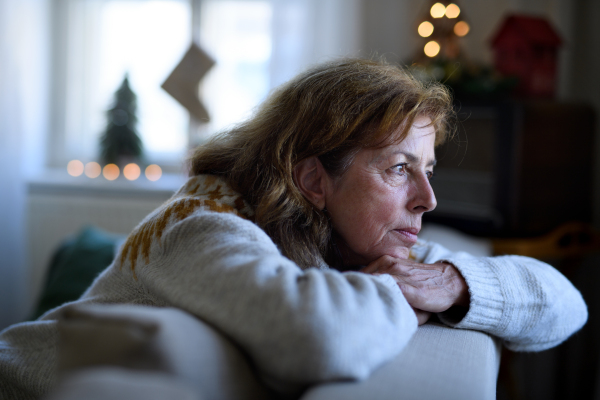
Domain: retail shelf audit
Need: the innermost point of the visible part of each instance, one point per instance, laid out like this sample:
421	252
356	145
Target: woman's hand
428	288
422	316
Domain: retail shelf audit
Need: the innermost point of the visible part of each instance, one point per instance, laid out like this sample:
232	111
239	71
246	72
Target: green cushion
75	265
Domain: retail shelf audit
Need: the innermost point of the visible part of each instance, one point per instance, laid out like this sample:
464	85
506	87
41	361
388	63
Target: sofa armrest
169	345
150	340
114	383
438	363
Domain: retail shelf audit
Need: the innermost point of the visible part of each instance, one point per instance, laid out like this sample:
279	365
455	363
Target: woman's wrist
461	289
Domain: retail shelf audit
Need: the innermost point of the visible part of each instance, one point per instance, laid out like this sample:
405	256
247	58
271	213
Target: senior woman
296	236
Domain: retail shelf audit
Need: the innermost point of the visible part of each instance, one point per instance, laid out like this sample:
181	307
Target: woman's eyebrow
414	159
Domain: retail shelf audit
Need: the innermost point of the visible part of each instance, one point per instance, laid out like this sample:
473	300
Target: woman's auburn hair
331	111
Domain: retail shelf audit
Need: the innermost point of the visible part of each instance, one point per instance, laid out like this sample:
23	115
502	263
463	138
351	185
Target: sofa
141	352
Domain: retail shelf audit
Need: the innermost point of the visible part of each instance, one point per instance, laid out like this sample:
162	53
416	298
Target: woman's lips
408	235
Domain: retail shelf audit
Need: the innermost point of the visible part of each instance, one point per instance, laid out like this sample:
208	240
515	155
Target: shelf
57	181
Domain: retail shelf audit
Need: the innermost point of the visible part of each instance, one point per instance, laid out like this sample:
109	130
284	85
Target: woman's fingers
422	316
432	298
380	263
428	287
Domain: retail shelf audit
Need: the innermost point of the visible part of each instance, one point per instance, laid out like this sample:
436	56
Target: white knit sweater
200	252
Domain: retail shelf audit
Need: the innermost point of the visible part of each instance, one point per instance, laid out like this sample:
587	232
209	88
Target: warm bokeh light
111	172
432	49
153	172
75	168
461	28
131	172
425	29
452	11
93	169
437	10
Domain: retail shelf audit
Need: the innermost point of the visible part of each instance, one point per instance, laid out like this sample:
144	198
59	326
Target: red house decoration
527	47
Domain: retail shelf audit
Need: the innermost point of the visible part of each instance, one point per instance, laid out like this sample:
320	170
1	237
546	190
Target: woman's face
377	204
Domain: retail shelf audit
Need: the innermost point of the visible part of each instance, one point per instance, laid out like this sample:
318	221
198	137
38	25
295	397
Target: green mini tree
120	142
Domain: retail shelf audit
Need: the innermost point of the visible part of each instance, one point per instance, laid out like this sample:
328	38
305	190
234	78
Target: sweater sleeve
298	327
525	302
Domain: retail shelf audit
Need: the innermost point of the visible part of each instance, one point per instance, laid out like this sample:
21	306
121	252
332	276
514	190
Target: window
256	44
237	34
97	42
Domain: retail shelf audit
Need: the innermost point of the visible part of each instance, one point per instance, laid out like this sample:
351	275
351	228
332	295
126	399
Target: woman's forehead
417	146
421	125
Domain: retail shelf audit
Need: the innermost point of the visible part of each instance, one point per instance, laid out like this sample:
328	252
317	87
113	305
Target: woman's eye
400	168
430	175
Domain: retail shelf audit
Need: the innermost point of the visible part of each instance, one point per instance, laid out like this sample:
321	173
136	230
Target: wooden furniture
516	169
573	239
566	248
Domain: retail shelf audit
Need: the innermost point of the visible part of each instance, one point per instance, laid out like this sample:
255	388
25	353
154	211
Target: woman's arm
428	288
297	326
525	302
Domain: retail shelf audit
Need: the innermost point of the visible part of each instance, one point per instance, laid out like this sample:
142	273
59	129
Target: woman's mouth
408	235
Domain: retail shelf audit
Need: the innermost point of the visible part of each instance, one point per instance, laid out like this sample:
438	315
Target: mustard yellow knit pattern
200	192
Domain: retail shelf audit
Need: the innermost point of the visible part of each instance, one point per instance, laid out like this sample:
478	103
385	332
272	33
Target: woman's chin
402	254
363	257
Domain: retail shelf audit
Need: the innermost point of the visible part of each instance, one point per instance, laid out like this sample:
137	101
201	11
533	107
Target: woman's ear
312	180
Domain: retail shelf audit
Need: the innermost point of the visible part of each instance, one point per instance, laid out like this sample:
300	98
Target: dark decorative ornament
526	48
120	143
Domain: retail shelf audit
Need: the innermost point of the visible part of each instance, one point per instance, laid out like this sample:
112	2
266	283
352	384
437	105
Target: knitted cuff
486	303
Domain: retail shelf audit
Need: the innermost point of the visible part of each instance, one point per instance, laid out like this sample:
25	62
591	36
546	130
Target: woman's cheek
393	178
375	226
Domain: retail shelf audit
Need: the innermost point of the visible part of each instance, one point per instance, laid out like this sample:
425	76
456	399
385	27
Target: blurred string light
153	172
425	29
461	28
131	172
438	10
432	49
452	11
75	168
443	24
111	172
93	169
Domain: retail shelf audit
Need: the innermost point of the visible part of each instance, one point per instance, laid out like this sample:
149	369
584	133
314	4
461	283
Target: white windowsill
57	181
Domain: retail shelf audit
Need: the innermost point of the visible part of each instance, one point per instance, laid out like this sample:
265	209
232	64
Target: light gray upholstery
139	352
157	340
114	383
438	363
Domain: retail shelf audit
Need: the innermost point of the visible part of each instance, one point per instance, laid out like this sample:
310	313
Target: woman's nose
423	198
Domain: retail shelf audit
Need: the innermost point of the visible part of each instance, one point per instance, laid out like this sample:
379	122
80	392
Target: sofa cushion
111	383
438	363
74	266
161	340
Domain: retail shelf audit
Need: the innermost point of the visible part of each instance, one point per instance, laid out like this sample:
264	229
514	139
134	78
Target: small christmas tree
120	142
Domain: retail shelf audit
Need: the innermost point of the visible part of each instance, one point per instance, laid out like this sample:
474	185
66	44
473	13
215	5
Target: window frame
62	21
